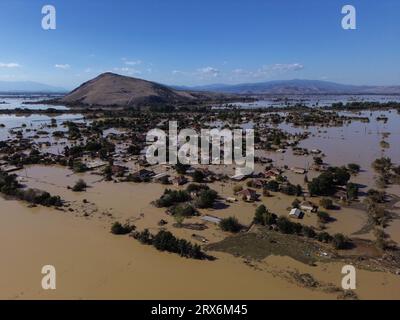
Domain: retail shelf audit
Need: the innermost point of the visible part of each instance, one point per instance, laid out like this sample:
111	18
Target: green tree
354	168
198	176
339	241
352	191
118	228
326	203
323	216
263	216
230	224
79	186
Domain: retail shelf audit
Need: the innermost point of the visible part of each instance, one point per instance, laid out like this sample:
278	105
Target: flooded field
314	100
93	263
9	102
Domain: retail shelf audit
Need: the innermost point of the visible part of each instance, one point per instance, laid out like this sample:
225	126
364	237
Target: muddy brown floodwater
91	263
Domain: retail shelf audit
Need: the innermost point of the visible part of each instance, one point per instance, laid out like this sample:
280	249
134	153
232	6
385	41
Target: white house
296	213
308	206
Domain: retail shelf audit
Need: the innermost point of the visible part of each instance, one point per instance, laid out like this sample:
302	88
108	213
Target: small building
144	174
319	167
160	177
257	183
265	160
248	194
231	199
341	195
272	174
179	181
238	177
298	170
212	219
9	169
95	164
315	151
118	170
308	206
296	213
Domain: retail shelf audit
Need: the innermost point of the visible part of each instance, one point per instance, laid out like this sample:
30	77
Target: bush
171	197
79	167
354	168
230	224
288	227
272	186
166	241
183	209
263	216
340	175
352	191
339	241
296	203
181	168
291	189
144	237
165	180
318	160
323	216
324	237
193	187
206	199
326	203
118	228
309	232
198	176
323	185
79	186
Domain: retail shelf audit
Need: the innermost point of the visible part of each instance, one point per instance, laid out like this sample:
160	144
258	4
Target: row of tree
166	241
10	186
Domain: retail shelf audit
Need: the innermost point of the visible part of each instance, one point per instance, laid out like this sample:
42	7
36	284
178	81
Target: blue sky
190	42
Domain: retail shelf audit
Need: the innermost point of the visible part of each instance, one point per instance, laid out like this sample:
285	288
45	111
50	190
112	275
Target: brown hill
109	89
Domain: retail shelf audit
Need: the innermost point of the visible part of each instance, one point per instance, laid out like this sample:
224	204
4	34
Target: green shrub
264	217
323	216
326	203
118	228
79	186
339	241
206	199
324	237
230	224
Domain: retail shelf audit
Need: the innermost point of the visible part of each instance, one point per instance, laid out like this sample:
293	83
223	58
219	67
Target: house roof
307	204
248	192
295	212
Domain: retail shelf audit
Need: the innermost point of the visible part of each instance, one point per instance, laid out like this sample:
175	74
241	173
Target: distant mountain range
28	86
296	86
110	89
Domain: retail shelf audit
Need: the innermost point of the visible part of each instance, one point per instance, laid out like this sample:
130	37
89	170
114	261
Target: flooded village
77	191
